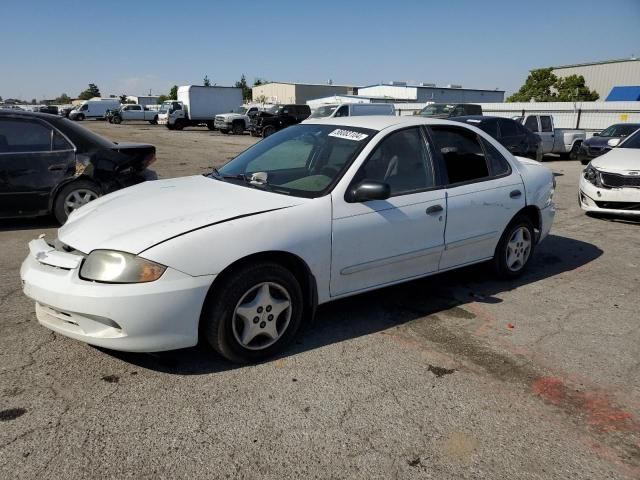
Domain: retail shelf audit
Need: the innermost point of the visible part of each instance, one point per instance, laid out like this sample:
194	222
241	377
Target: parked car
448	110
52	109
237	121
277	117
132	112
564	141
94	109
314	213
517	139
599	144
51	165
65	111
611	182
353	110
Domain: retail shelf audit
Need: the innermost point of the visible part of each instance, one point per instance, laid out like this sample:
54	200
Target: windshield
436	109
302	160
169	106
620	130
632	142
324	111
76	133
273	109
240	110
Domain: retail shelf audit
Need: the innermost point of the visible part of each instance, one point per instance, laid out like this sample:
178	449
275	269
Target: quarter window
532	123
462	154
498	165
400	160
60	143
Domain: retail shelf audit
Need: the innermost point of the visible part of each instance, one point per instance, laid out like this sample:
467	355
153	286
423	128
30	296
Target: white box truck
198	105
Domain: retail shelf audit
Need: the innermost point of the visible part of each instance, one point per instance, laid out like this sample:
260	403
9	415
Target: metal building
289	92
143	99
603	76
425	92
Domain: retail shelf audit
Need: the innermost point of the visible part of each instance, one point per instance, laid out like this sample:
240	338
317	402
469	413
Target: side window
136	107
490	127
84	108
176	106
498	165
60	143
462	154
400	160
532	123
343	111
508	128
545	124
17	136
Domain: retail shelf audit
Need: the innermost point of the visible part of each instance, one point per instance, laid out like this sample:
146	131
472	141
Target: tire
238	128
524	246
117	120
170	127
254	133
179	124
211	126
80	117
154	121
82	190
225	131
584	162
224	328
573	154
267	131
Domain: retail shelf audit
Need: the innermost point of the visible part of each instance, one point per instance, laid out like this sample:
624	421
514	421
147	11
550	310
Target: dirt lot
455	376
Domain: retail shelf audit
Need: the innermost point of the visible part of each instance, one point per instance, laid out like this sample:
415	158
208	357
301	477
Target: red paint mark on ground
596	407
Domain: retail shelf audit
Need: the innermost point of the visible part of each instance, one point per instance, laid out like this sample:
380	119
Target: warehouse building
429	92
603	76
143	99
289	92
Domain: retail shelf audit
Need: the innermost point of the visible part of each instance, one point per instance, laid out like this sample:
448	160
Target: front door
380	242
483	194
34	158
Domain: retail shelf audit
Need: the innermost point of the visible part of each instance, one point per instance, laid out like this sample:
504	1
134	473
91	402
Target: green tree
89	93
33	101
538	86
573	89
162	99
206	82
259	81
63	99
173	93
246	89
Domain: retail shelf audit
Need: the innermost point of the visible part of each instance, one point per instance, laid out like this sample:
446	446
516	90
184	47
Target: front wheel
515	248
254	314
73	196
211	126
154	121
267	131
80	117
179	124
238	128
117	120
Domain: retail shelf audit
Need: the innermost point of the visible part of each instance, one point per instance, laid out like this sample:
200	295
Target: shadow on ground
380	310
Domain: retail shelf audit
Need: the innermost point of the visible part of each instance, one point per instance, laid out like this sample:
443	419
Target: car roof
379	122
24	113
481	118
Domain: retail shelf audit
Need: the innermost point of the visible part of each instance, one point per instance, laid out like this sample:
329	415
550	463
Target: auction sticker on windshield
348	135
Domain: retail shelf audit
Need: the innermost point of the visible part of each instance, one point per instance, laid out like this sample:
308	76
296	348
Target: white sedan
316	212
611	182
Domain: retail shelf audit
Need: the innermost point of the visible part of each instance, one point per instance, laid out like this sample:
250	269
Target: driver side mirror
596	134
368	190
613	142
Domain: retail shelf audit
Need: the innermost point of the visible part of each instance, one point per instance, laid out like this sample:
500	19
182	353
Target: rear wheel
211	126
73	196
254	314
515	248
266	131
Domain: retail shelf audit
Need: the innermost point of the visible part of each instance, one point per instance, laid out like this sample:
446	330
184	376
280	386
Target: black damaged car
49	164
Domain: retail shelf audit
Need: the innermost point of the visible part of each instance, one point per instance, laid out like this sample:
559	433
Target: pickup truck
237	121
564	141
132	112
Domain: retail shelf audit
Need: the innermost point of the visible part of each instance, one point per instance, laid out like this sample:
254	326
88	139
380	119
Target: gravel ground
456	376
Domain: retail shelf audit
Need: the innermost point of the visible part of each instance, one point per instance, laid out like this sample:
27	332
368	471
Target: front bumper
547	216
616	201
221	125
144	317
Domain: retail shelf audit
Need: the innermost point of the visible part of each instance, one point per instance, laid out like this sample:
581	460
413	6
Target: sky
129	47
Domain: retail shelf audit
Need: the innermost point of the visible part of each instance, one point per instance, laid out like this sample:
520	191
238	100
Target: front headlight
110	266
592	175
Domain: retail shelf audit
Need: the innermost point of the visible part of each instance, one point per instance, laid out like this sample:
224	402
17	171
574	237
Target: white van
94	108
353	110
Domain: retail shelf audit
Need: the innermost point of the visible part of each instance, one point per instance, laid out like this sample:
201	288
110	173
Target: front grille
618	181
619	205
219	119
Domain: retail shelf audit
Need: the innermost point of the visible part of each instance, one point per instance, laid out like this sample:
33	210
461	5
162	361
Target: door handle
515	194
434	209
53	168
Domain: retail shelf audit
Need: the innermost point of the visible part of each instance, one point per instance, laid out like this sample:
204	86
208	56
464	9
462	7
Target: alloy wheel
78	198
518	249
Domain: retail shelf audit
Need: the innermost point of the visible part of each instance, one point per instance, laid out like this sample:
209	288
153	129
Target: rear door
34	158
483	194
547	133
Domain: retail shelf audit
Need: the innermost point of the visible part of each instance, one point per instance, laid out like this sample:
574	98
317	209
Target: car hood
137	218
597	141
619	160
230	115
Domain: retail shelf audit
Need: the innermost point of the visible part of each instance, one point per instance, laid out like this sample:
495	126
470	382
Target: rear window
545	124
508	128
